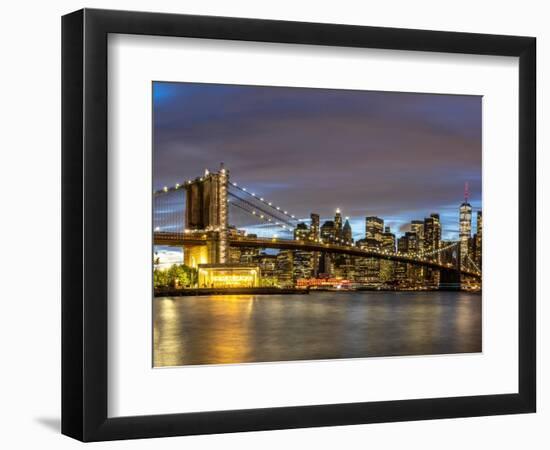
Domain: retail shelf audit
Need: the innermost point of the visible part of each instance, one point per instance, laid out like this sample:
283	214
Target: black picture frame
84	224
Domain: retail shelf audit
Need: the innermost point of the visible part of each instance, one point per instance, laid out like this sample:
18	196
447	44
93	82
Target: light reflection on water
324	325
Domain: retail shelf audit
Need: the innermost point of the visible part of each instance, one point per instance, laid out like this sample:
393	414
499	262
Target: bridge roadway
181	239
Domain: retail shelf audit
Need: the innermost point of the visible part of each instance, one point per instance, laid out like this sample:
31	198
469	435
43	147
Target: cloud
396	155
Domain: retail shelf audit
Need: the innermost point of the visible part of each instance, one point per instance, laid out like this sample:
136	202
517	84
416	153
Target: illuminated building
312	283
465	224
401	267
302	263
387	268
432	237
328	232
228	276
268	269
479	242
328	235
234	255
314	230
367	270
374	226
248	254
285	268
432	244
344	265
417	226
409	275
388	241
347	236
338	226
314	235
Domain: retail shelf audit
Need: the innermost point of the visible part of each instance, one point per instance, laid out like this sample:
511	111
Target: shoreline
228	291
172	292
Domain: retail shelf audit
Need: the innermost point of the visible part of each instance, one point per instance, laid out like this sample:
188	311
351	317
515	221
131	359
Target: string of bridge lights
439	250
472	262
267	220
264	201
279	210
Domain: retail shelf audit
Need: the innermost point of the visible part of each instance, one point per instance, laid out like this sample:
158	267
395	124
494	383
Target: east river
234	329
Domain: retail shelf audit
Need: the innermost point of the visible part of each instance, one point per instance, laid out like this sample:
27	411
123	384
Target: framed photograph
273	224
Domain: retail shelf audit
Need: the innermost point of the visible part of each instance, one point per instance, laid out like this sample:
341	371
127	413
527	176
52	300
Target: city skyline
279	141
216	254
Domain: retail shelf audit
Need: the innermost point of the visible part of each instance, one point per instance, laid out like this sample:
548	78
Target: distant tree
177	275
160	278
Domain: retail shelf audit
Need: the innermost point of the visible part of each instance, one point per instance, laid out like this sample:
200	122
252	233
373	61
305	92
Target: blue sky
399	156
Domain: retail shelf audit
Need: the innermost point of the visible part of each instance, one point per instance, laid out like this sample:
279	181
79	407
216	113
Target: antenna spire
466	192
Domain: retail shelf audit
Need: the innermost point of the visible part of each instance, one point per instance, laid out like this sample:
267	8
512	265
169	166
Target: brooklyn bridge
206	216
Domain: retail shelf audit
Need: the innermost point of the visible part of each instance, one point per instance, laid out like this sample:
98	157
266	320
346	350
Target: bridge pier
450	280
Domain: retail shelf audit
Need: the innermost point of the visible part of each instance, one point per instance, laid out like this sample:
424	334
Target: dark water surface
254	328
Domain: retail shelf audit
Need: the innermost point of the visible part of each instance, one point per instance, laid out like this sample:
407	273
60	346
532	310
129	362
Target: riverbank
172	292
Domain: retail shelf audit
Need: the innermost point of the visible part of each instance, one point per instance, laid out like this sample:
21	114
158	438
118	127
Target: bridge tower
206	212
450	279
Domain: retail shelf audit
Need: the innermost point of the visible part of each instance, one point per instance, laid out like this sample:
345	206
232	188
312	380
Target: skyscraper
374	227
432	237
303	262
328	232
368	268
347	236
479	240
465	224
417	226
432	244
315	235
314	229
338	225
387	268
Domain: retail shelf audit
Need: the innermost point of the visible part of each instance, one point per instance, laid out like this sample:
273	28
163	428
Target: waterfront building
228	276
268	269
285	268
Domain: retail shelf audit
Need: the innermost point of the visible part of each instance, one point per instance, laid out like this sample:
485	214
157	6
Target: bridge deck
181	239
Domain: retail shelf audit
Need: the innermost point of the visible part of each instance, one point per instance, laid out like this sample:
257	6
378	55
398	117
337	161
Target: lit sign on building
228	276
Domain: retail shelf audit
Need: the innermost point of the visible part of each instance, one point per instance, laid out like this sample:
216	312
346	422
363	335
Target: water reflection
324	325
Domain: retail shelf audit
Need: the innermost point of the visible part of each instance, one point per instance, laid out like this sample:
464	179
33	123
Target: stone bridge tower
206	211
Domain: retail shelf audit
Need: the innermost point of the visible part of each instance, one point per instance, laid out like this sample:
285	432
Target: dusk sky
399	156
